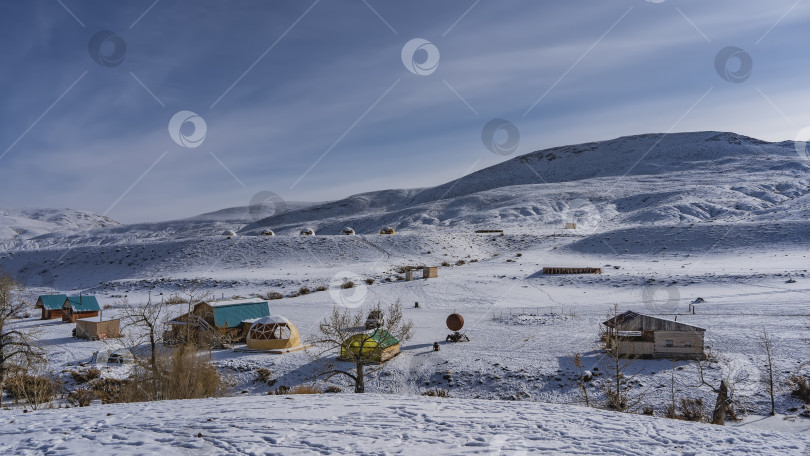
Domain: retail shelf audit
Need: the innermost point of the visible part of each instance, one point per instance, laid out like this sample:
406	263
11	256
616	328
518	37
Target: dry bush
692	410
182	373
271	295
321	288
265	375
283	389
370	281
32	390
185	374
84	376
81	397
294	294
347	284
460	263
176	299
304	291
799	388
436	392
648	410
445	264
112	390
305	389
333	389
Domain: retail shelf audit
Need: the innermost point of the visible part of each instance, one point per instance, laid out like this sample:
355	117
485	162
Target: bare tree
619	383
767	345
583	379
16	344
338	331
724	404
148	320
193	293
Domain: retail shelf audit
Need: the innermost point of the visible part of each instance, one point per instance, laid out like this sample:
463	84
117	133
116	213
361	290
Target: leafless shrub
370	281
81	397
265	375
304	291
333	389
85	375
321	288
32	390
347	284
175	299
436	392
799	388
305	389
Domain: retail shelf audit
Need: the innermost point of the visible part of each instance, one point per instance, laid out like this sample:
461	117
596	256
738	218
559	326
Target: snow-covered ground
704	215
373	424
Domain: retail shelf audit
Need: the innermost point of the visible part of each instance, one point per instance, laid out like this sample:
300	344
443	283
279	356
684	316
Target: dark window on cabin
669	343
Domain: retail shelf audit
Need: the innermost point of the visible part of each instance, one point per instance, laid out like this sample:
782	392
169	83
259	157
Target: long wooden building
633	334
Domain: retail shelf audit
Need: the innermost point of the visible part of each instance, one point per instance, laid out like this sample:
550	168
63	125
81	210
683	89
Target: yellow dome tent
273	332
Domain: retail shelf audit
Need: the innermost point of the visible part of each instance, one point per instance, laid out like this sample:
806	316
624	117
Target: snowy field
371	425
711	219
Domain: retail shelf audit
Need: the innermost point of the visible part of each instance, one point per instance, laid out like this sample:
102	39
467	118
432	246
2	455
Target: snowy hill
372	424
28	223
675	178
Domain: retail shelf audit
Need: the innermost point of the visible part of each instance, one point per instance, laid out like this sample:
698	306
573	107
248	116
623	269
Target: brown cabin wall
678	339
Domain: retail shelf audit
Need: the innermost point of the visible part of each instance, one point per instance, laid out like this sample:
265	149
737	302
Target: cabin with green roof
217	323
51	305
376	347
76	307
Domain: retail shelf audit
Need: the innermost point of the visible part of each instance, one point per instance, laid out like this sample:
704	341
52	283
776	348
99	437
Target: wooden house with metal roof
634	334
51	305
217	322
76	307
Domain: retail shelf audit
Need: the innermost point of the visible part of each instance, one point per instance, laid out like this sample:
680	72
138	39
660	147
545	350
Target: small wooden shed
94	328
430	272
76	307
639	335
51	305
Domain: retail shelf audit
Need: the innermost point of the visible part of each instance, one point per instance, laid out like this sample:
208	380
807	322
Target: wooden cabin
94	328
51	305
76	307
217	322
633	334
551	270
430	272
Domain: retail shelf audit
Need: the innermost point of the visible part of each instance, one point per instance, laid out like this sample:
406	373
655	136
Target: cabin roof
51	302
632	321
82	303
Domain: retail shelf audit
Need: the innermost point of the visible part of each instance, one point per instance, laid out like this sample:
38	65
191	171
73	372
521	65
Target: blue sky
285	85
